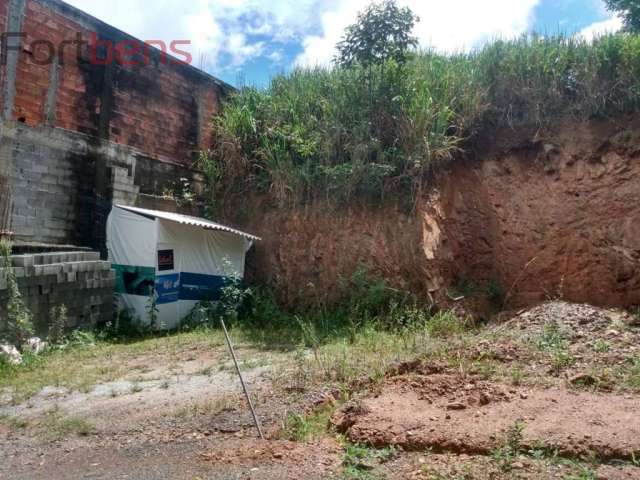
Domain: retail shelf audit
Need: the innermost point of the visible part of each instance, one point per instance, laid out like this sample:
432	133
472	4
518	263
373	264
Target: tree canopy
629	10
381	32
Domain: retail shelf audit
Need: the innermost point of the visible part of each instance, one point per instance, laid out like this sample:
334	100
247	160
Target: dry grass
82	367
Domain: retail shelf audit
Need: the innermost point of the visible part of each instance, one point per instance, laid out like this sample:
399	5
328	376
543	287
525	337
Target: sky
246	42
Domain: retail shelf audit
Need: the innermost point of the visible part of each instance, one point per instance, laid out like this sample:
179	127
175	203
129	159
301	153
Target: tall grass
338	134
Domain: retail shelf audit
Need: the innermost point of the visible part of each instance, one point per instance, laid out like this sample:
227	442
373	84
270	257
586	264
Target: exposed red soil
542	214
451	412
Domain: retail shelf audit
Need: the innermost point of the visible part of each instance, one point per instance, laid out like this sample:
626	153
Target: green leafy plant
360	460
506	455
58	321
153	310
18	326
601	346
302	428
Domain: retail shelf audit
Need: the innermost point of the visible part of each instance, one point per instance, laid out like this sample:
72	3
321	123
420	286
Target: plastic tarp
179	264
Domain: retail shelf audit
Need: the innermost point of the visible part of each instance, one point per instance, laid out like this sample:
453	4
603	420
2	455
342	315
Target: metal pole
244	386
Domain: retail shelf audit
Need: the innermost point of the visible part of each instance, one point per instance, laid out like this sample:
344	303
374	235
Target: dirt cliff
537	213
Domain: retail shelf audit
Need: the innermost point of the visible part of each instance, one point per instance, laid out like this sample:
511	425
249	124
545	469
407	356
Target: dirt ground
551	392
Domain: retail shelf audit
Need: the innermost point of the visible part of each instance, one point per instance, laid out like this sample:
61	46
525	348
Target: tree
382	32
629	10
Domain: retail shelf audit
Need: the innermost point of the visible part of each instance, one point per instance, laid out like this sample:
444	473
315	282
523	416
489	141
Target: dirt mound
457	413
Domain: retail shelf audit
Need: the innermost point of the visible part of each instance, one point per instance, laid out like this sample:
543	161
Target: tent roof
187	220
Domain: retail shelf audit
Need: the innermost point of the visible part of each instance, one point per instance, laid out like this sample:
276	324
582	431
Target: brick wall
74	132
161	108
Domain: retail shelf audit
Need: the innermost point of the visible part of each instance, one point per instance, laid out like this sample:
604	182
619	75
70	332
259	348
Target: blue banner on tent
168	288
197	286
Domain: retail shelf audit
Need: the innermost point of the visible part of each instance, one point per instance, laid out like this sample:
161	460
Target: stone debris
35	345
11	354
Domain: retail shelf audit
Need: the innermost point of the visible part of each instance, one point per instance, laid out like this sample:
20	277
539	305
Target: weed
209	408
446	324
506	455
58	426
302	428
554	341
17	326
153	310
359	461
601	346
495	294
540	451
517	375
584	472
561	358
486	368
58	321
165	385
551	338
206	371
631	373
13	422
136	388
463	287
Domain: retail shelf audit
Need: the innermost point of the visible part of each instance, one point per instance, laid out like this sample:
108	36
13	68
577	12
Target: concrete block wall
79	280
52	178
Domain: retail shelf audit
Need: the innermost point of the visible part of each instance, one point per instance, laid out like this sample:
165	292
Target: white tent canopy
179	259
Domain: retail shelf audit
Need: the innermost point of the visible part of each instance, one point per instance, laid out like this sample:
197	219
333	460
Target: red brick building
90	116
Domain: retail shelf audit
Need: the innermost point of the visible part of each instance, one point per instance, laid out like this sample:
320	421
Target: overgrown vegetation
17	327
371	130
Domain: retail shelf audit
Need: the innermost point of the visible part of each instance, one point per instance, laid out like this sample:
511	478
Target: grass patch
210	408
360	461
13	422
601	346
554	342
629	373
81	367
57	426
304	428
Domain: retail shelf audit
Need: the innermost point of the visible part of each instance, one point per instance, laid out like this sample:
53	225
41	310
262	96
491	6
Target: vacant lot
552	392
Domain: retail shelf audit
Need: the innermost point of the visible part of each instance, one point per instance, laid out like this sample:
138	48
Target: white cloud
240	51
447	26
596	29
217	29
168	20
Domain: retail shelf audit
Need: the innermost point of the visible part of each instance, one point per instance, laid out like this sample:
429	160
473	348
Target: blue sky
248	41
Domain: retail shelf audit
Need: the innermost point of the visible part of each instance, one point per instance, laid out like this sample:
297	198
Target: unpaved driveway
565	378
162	419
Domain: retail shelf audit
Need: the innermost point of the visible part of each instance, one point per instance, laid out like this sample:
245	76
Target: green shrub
17	327
57	324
